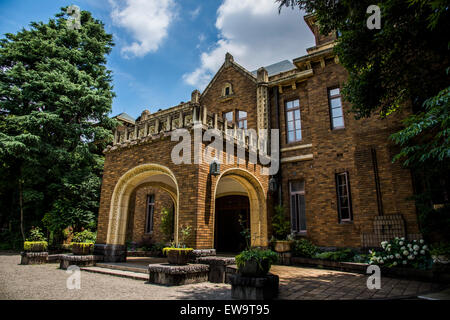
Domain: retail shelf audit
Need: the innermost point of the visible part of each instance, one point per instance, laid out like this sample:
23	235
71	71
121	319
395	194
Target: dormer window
227	90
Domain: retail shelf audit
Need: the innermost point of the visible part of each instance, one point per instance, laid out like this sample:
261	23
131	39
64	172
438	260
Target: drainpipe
277	120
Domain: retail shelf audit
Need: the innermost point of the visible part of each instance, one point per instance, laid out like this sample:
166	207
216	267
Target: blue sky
167	48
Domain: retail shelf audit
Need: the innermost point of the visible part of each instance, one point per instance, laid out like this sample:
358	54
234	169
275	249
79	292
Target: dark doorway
228	237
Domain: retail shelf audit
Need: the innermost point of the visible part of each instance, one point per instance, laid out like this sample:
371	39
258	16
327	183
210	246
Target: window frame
150	213
239	120
330	108
297	228
295	129
349	196
233	115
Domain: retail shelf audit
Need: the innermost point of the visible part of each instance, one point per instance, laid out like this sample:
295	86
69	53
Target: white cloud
256	35
146	20
194	13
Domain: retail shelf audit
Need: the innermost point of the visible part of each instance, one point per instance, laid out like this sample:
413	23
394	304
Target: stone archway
118	214
257	198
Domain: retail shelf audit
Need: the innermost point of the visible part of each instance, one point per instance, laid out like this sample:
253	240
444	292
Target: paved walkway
316	284
49	282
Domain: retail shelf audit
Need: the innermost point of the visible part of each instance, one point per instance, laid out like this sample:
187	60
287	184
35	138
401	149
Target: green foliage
280	223
10	241
185	233
36	235
166	250
55	96
338	255
426	136
245	232
86	236
441	249
304	248
167	219
401	252
258	255
35	246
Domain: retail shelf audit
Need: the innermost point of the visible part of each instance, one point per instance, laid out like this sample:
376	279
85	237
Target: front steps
142	276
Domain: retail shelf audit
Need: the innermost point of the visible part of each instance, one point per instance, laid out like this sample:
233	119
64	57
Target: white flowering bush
402	253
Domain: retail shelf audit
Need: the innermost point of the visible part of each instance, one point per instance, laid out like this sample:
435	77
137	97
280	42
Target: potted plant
179	256
255	262
36	242
281	230
83	242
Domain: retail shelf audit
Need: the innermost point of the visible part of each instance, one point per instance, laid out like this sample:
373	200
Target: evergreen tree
55	97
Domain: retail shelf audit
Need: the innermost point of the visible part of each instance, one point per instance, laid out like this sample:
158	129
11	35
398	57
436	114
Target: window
229	116
242	120
150	210
336	114
294	128
343	197
298	212
227	90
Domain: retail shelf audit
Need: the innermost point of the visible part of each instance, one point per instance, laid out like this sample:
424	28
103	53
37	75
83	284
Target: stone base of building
174	275
254	288
67	260
33	257
217	267
111	252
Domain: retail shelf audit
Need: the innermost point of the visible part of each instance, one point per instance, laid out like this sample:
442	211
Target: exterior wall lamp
273	186
214	167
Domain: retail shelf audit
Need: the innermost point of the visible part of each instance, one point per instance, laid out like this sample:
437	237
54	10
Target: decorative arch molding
118	212
258	203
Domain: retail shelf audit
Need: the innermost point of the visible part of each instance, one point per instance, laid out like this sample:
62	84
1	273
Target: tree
404	64
55	97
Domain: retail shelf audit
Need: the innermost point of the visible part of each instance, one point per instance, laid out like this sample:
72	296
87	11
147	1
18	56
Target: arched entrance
238	182
232	216
152	174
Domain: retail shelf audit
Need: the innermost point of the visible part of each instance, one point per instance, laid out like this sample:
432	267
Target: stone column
262	99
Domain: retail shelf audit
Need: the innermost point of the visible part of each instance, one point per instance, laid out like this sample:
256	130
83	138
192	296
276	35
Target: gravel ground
48	282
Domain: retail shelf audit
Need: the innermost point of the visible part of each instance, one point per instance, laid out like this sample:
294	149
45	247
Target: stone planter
441	259
178	257
252	268
282	246
254	288
33	257
81	249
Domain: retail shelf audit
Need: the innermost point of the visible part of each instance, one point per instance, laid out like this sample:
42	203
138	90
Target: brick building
335	178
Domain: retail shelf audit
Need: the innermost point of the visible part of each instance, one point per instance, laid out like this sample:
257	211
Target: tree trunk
21	204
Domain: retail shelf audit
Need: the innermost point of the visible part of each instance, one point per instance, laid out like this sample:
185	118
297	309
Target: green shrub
258	255
167	217
361	258
304	248
36	235
35	246
338	255
402	252
441	249
159	246
280	224
166	250
85	236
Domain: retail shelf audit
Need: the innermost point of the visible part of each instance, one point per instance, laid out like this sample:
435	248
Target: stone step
118	273
120	266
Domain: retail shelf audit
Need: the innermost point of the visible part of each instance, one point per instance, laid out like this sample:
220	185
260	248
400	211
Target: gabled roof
229	62
277	68
125	117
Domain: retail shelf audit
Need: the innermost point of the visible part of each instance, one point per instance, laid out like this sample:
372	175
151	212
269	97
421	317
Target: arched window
227	90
